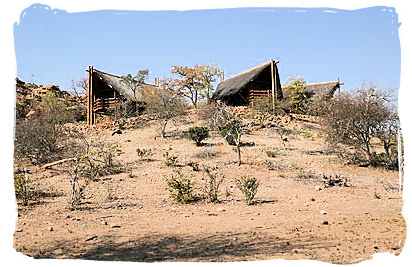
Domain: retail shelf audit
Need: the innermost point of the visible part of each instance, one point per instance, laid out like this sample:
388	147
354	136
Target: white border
11	13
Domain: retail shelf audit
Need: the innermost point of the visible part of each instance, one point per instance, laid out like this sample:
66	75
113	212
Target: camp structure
323	91
106	91
246	88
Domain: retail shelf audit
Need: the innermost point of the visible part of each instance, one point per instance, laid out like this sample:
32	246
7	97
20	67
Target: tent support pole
90	97
272	69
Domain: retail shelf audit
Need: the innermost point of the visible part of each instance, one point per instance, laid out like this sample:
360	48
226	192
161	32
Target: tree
355	118
232	132
135	84
164	105
299	95
208	75
196	83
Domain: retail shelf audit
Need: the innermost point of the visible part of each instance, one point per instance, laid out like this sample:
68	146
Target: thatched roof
324	90
235	85
115	82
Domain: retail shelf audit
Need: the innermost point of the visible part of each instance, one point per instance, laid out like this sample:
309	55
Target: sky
359	47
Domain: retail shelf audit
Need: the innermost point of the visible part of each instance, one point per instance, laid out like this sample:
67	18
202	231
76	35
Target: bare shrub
307	176
213	182
334	180
216	114
356	118
143	153
78	182
40	138
164	105
205	154
262	110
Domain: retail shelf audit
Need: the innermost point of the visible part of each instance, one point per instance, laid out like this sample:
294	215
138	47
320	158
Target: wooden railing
104	104
256	95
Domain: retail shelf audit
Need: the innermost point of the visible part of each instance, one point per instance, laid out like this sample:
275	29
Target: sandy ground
132	217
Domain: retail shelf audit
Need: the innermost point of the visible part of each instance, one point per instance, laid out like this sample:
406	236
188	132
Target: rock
325	223
50	229
323	212
103	223
306	204
186	215
220	209
318	188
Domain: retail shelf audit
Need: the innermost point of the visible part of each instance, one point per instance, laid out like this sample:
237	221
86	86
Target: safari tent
248	87
105	91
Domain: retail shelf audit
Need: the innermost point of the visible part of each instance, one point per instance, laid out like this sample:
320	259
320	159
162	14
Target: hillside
129	216
29	95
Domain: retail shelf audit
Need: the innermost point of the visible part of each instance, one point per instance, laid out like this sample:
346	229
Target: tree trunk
238	154
163	129
238	148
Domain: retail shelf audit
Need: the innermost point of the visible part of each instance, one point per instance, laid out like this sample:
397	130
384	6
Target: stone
323	212
220	209
318	188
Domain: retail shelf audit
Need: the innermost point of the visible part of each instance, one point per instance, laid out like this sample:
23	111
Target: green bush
180	188
198	134
231	131
248	186
22	189
170	159
306	134
271	154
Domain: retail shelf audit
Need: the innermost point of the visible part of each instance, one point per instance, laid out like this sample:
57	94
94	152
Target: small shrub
305	176
248	186
273	165
143	153
271	154
78	183
198	134
307	134
170	159
334	180
194	165
22	189
180	188
212	185
206	154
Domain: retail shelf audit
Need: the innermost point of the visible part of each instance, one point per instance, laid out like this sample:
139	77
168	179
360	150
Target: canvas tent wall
248	87
105	91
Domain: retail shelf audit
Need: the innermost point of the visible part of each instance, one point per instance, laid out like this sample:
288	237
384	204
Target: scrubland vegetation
204	160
